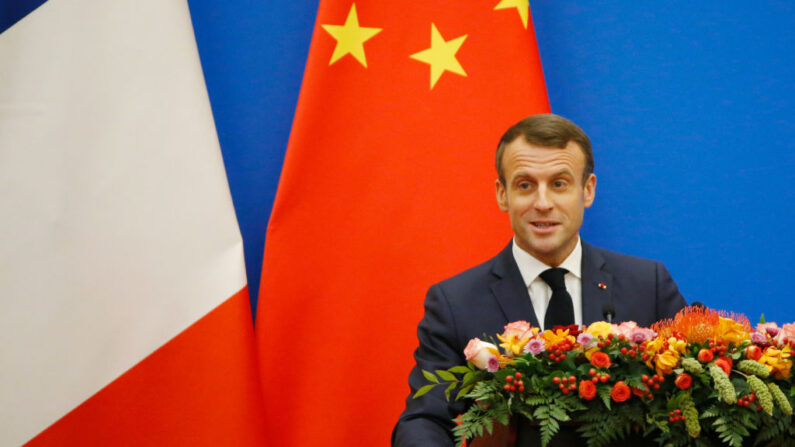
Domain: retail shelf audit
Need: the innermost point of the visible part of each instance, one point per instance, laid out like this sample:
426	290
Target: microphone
698	304
608	311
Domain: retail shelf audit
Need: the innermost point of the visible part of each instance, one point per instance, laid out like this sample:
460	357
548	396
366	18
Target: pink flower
787	332
480	352
586	340
758	338
519	329
625	328
641	334
534	346
493	365
770	329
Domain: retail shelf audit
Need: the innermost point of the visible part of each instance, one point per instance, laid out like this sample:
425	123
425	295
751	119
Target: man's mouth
543	224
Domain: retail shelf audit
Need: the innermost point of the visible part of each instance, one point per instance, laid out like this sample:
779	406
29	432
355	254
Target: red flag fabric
387	188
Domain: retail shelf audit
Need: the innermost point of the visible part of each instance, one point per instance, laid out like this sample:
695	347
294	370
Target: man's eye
559	184
524	185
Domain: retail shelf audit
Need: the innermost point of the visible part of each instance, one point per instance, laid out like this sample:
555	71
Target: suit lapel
596	284
509	289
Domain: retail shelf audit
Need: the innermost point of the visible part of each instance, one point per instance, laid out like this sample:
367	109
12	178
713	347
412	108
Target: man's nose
543	200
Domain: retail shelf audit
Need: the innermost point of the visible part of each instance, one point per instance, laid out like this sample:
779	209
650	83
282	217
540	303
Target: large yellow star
522	7
350	37
441	55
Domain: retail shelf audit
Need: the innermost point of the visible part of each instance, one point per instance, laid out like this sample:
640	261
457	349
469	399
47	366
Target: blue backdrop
689	106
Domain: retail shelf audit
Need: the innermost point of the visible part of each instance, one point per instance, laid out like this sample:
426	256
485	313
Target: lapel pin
602	286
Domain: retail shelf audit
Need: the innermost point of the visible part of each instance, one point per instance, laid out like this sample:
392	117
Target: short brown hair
547	130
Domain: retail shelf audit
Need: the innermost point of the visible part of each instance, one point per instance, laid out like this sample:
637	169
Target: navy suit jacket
483	299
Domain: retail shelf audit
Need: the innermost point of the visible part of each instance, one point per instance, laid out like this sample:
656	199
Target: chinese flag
387	188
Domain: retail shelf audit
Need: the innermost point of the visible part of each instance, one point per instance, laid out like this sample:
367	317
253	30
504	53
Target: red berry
656	386
678	411
513	388
507	387
632	354
562	357
509	379
595	379
644	378
573	386
603	379
565	391
608	342
556	380
518	375
564	380
600	344
624	351
572	378
592	372
622	337
610	336
645	357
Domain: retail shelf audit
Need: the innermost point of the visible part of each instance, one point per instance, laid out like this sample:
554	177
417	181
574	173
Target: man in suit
547	275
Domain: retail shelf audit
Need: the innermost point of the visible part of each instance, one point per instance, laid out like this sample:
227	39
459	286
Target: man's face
545	197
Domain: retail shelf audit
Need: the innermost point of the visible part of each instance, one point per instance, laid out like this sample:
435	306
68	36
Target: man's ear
502	195
590	190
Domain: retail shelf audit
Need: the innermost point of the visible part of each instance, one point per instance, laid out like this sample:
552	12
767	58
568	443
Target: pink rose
787	332
480	353
625	328
519	329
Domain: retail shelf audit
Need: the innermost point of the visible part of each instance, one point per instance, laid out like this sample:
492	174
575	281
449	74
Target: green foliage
730	426
603	428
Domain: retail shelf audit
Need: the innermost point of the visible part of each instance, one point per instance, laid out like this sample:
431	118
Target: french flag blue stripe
12	11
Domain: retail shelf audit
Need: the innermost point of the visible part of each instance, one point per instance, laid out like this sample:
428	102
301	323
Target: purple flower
534	346
493	364
585	340
758	338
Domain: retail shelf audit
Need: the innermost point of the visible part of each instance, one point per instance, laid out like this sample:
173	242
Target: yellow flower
730	331
680	346
513	344
666	362
600	329
553	338
777	361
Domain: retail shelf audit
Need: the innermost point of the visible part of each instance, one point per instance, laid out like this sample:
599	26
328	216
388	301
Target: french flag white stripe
117	223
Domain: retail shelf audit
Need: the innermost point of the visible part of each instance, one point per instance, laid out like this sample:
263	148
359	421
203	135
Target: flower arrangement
702	378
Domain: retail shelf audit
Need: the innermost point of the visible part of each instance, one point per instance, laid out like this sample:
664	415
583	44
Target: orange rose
620	392
705	356
587	389
600	360
725	364
683	381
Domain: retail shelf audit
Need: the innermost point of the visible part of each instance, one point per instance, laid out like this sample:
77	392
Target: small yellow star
350	37
522	7
441	55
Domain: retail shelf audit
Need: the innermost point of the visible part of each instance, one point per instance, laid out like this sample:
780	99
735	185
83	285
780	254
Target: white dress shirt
540	292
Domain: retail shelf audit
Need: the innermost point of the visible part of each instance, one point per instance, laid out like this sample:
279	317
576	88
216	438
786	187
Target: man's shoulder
613	258
477	277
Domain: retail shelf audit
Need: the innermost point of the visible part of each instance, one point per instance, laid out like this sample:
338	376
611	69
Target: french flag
124	313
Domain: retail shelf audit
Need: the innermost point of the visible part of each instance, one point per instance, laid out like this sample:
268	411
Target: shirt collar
530	267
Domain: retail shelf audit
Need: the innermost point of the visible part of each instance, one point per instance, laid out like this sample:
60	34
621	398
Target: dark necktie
560	311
